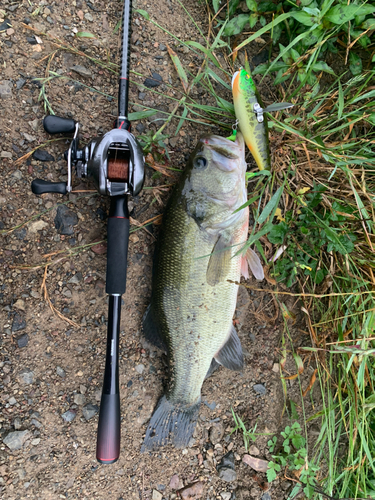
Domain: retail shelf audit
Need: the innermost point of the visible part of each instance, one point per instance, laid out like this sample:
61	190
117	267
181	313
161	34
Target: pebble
140	127
19	323
5	25
42	155
19	304
5	154
5	90
140	368
81	70
211	406
266	496
276	368
155	81
226	468
36	422
20	83
89	411
89	17
69	416
22	340
142	96
225	495
25	376
60	372
256	463
35	441
15	440
36	226
192	492
12	401
17	423
216	433
65	220
175	483
29	138
260	389
162	47
156	495
79	399
253	450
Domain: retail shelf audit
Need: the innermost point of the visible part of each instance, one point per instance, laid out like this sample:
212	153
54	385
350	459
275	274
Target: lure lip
234	77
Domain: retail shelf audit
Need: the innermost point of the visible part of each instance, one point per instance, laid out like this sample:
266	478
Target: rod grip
38	186
117	254
108	440
58	125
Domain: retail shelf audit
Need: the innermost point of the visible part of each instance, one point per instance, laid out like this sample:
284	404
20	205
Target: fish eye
200	162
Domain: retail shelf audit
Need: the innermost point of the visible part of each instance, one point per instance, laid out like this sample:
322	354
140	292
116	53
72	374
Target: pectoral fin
230	355
218	265
252	261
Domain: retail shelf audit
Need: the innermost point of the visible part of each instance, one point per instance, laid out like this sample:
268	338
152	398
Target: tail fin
170	424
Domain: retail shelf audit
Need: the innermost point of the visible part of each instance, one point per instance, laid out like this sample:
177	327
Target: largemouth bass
193	302
255	133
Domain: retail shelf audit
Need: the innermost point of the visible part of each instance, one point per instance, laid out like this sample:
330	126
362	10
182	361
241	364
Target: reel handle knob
38	186
58	125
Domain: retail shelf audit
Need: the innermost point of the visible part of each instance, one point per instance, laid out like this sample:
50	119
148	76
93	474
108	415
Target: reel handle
58	125
38	186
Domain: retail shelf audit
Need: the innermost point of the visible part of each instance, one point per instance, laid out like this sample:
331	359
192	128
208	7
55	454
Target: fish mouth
226	154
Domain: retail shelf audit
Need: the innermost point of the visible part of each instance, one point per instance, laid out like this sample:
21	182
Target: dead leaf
311	383
256	463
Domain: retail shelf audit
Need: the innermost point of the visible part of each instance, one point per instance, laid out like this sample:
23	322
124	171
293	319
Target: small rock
141	96
175	483
266	496
76	278
17	423
19	323
253	450
19	304
12	401
36	422
89	411
25	376
156	495
60	372
29	138
20	83
79	399
42	155
140	368
216	433
276	368
36	226
31	40
173	141
5	25
211	406
260	389
22	340
65	220
81	70
192	492
225	495
226	468
5	154
256	463
162	47
69	416
5	90
140	128
35	441
21	233
155	81
17	174
89	17
15	440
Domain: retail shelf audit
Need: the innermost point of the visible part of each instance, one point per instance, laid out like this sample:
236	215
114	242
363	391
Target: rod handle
117	254
38	186
58	125
108	440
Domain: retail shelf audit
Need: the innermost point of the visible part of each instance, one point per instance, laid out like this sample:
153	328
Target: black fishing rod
116	164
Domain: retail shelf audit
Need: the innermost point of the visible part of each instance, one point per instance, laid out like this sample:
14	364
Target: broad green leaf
253	19
278	233
216	5
182	119
208	53
322	66
262	21
252	5
236	25
355	63
266	7
371	118
304	18
341	14
139	115
280	78
271	205
143	13
85	34
368	24
294	54
233	4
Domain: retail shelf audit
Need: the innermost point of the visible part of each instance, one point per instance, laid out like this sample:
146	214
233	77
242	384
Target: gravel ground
51	370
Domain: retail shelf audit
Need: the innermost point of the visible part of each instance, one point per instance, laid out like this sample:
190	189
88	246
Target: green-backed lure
251	119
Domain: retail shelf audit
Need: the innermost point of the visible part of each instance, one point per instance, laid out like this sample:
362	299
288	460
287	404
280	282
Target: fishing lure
251	119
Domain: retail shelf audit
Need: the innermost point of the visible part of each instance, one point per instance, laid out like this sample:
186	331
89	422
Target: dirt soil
51	370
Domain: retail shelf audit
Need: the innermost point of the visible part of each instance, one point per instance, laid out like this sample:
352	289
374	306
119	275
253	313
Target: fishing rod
116	164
